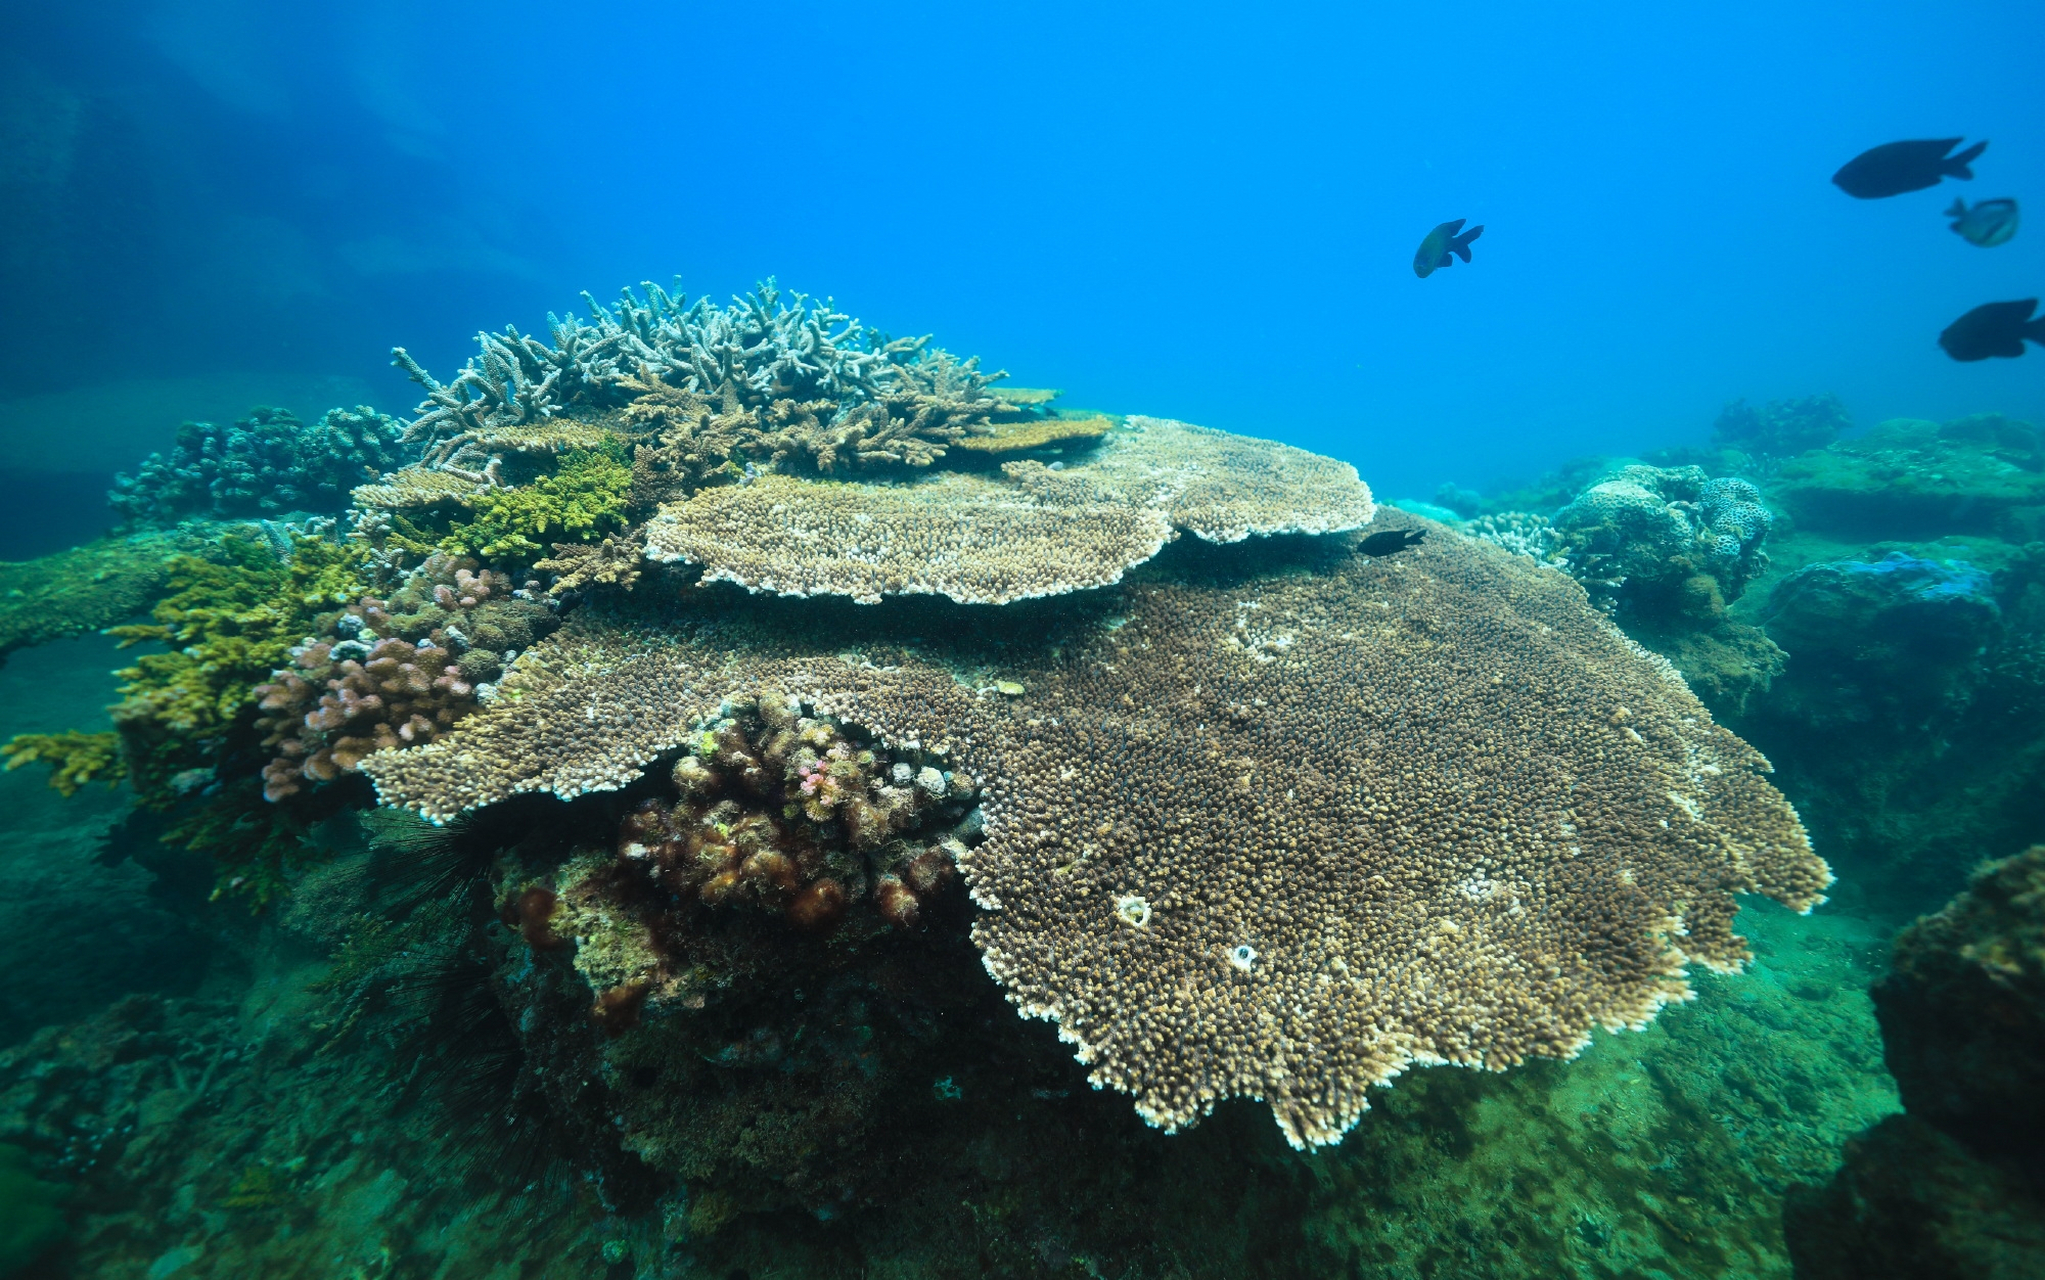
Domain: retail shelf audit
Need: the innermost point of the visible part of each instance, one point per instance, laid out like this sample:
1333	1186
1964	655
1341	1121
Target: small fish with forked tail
1444	240
1988	224
1896	167
1389	542
1994	329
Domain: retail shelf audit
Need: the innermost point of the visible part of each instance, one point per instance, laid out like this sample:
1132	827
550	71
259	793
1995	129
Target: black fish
1996	329
1434	251
1390	542
1896	167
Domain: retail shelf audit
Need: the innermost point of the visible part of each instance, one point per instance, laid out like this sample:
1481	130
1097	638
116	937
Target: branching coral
74	758
85	588
614	562
265	464
1782	429
229	621
391	673
587	495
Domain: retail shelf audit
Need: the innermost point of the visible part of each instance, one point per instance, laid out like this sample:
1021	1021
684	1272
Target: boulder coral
266	464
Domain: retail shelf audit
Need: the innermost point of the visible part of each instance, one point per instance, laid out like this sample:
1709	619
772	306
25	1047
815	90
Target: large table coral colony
1276	820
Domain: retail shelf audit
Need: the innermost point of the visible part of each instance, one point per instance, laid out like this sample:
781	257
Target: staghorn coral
417	489
973	539
1037	532
85	588
760	349
263	465
1428	809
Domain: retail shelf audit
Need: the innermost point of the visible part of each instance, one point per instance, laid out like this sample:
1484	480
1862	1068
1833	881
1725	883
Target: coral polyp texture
265	464
1429	809
1035	532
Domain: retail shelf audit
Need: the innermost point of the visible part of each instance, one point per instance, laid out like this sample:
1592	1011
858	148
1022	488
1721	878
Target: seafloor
231	1054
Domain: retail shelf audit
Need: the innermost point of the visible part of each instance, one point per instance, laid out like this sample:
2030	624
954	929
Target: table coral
266	464
1036	532
1468	851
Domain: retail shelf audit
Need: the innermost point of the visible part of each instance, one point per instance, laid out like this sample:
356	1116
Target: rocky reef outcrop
1955	1186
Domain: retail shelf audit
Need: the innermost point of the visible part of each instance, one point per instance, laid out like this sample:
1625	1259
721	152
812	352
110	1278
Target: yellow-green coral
85	588
587	496
1014	437
75	758
232	620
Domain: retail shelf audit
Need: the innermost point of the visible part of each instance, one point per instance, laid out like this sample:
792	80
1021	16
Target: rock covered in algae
1275	835
1035	532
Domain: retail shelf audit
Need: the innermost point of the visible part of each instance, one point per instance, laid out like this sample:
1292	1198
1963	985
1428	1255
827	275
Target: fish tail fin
1460	246
1956	166
2035	330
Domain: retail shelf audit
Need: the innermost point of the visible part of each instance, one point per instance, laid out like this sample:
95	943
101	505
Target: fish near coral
1993	329
1896	167
1988	224
1445	240
1389	542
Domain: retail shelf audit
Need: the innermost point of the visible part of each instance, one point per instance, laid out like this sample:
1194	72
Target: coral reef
266	464
74	758
1036	532
1247	691
391	673
585	496
1910	479
825	382
1782	429
85	588
1956	1186
1665	542
976	540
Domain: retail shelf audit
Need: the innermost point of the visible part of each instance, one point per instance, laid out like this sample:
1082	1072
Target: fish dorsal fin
1959	209
1453	227
1446	259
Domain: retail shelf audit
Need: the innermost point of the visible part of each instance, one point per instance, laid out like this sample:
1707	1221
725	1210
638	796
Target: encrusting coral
266	464
1277	836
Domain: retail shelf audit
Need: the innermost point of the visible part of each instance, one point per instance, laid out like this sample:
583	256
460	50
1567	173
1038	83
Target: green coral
582	500
30	1221
82	589
232	620
75	758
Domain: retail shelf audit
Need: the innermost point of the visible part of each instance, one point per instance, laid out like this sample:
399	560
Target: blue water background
1200	211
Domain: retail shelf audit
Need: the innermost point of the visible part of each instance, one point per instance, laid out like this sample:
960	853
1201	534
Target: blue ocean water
1193	212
